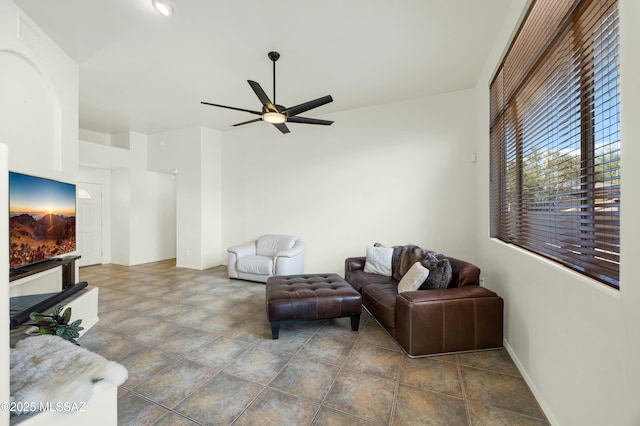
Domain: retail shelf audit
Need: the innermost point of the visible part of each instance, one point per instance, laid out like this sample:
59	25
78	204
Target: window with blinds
555	137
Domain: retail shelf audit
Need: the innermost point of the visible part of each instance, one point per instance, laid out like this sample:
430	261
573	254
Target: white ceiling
143	72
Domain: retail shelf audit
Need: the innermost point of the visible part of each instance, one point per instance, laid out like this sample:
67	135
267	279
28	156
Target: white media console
102	407
29	285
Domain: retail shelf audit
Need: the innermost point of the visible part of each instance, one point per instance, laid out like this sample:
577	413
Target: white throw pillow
414	278
379	260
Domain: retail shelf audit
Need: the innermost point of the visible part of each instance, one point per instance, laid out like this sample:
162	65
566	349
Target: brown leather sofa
462	317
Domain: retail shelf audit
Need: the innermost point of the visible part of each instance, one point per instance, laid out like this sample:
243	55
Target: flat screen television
42	219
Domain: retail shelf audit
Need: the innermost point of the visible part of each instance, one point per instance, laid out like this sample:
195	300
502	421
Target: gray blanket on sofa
409	255
440	273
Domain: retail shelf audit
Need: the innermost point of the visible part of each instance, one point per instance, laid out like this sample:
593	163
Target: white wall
39	101
120	216
152	216
211	207
575	340
137	143
39	125
94	137
103	156
139	208
99	154
143	216
398	173
194	154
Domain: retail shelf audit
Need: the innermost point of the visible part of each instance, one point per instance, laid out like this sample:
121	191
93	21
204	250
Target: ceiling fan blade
234	108
298	109
247	122
306	120
262	95
282	127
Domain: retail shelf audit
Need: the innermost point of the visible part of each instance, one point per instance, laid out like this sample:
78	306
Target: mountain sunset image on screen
42	219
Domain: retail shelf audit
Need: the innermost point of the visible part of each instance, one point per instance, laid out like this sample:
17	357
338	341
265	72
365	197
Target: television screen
42	219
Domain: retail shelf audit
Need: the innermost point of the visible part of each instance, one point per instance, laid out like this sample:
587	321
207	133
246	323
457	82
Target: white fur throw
48	369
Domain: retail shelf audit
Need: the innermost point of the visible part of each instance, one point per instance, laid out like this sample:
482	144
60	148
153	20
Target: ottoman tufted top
310	296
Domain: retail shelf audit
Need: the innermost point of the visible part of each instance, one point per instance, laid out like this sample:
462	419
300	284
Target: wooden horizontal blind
555	137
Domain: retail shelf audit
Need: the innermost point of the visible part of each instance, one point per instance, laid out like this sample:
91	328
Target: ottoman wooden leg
275	329
355	322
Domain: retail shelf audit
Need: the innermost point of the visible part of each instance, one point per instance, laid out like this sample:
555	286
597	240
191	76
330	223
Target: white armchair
269	255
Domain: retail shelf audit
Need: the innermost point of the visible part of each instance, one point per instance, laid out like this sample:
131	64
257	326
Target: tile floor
198	349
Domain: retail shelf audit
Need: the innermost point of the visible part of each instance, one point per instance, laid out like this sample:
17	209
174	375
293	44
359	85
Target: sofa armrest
354	263
463	273
236	253
291	261
298	248
456	319
243	250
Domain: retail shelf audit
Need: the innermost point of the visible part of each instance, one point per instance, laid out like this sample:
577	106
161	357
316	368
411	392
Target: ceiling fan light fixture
276	114
163	7
274	117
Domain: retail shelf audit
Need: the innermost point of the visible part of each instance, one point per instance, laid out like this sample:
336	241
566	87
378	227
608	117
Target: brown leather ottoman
311	297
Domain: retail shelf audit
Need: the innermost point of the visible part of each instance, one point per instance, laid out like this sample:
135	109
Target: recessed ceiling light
163	7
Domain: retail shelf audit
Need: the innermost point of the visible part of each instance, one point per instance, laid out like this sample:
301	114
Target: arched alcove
30	112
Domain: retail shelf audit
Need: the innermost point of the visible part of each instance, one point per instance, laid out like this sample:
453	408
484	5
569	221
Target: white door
89	227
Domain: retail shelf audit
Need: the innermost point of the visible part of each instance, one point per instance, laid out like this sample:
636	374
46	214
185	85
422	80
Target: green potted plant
58	324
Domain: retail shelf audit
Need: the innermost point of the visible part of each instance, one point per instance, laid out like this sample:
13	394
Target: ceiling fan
276	114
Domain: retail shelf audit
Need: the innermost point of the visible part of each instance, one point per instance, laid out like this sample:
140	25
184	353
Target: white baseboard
545	408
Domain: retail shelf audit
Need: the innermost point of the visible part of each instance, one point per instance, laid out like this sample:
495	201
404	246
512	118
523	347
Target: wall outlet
481	281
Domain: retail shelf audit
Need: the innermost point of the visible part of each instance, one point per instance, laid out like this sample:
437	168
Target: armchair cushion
261	265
